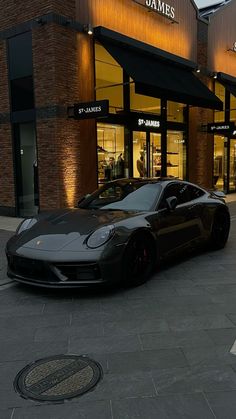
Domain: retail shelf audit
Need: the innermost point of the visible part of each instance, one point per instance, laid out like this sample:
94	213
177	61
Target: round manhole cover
58	378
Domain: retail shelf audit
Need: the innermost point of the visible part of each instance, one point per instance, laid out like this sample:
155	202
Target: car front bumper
67	274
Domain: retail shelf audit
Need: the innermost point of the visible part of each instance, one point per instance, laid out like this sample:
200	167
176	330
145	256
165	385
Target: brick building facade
64	66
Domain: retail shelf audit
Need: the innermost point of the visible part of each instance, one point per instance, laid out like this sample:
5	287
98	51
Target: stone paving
164	347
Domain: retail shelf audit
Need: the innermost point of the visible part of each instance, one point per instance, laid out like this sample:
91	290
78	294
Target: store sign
158	6
144	122
89	110
149	123
221	128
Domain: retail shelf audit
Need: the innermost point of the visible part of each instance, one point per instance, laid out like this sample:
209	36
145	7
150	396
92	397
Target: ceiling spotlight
215	75
198	70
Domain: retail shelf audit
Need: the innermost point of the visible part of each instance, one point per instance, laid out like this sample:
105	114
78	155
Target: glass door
155	158
232	166
26	169
176	154
139	154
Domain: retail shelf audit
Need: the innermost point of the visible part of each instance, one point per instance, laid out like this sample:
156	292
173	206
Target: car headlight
100	236
25	225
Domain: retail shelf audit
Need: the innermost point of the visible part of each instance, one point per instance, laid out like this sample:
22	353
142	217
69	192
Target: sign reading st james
221	128
159	6
89	110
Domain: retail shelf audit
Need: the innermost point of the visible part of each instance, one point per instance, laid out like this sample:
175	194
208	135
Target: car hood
62	228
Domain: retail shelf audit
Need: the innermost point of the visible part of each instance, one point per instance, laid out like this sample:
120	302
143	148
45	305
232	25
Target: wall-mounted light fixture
40	21
233	49
88	29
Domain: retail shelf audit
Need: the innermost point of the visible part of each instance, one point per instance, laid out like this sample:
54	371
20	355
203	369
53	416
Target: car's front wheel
220	230
139	260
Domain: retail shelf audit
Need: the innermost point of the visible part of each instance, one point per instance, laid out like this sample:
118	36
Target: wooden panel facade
222	36
135	21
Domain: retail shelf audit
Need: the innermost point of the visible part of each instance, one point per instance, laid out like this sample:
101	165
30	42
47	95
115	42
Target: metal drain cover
57	378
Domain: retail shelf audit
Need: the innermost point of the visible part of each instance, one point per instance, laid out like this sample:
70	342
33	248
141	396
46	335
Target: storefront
222	64
224	130
147	70
145	133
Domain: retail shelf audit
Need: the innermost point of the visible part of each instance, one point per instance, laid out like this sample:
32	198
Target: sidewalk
164	347
9	223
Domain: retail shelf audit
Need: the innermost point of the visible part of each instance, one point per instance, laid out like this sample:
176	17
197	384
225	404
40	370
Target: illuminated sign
149	123
221	127
89	110
158	6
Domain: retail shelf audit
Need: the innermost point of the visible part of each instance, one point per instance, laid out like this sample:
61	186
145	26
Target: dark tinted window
137	196
22	94
180	190
20	56
195	192
170	190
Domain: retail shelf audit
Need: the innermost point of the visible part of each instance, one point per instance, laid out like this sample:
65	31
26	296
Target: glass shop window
219	162
143	103
110	152
176	112
109	79
176	154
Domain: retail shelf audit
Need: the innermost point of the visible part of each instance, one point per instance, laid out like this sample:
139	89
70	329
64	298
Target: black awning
157	73
228	82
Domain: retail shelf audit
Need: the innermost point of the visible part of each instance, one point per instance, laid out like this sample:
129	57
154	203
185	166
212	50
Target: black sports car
118	233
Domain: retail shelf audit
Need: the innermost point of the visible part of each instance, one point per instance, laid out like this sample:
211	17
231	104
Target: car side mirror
171	203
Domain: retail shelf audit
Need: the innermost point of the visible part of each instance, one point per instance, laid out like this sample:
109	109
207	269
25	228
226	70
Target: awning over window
228	81
157	73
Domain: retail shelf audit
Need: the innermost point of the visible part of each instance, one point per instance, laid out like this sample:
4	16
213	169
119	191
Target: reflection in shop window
176	154
220	93
110	151
109	79
176	112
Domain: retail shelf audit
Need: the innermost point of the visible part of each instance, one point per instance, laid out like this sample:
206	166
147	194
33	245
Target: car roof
146	180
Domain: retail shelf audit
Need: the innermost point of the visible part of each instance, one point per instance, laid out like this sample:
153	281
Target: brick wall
14	12
66	148
201	144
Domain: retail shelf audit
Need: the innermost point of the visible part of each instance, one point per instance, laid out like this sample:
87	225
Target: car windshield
129	196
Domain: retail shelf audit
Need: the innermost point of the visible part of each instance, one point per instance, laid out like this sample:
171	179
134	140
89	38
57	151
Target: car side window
170	190
195	192
184	193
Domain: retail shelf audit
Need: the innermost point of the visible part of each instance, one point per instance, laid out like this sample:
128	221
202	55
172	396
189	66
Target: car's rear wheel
139	260
220	230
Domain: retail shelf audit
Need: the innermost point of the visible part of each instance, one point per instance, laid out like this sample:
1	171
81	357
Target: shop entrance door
155	157
146	154
140	154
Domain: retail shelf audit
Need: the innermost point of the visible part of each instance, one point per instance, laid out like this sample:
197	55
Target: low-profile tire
220	230
139	260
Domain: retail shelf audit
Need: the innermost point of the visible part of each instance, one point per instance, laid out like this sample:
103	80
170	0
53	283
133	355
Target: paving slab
163	347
